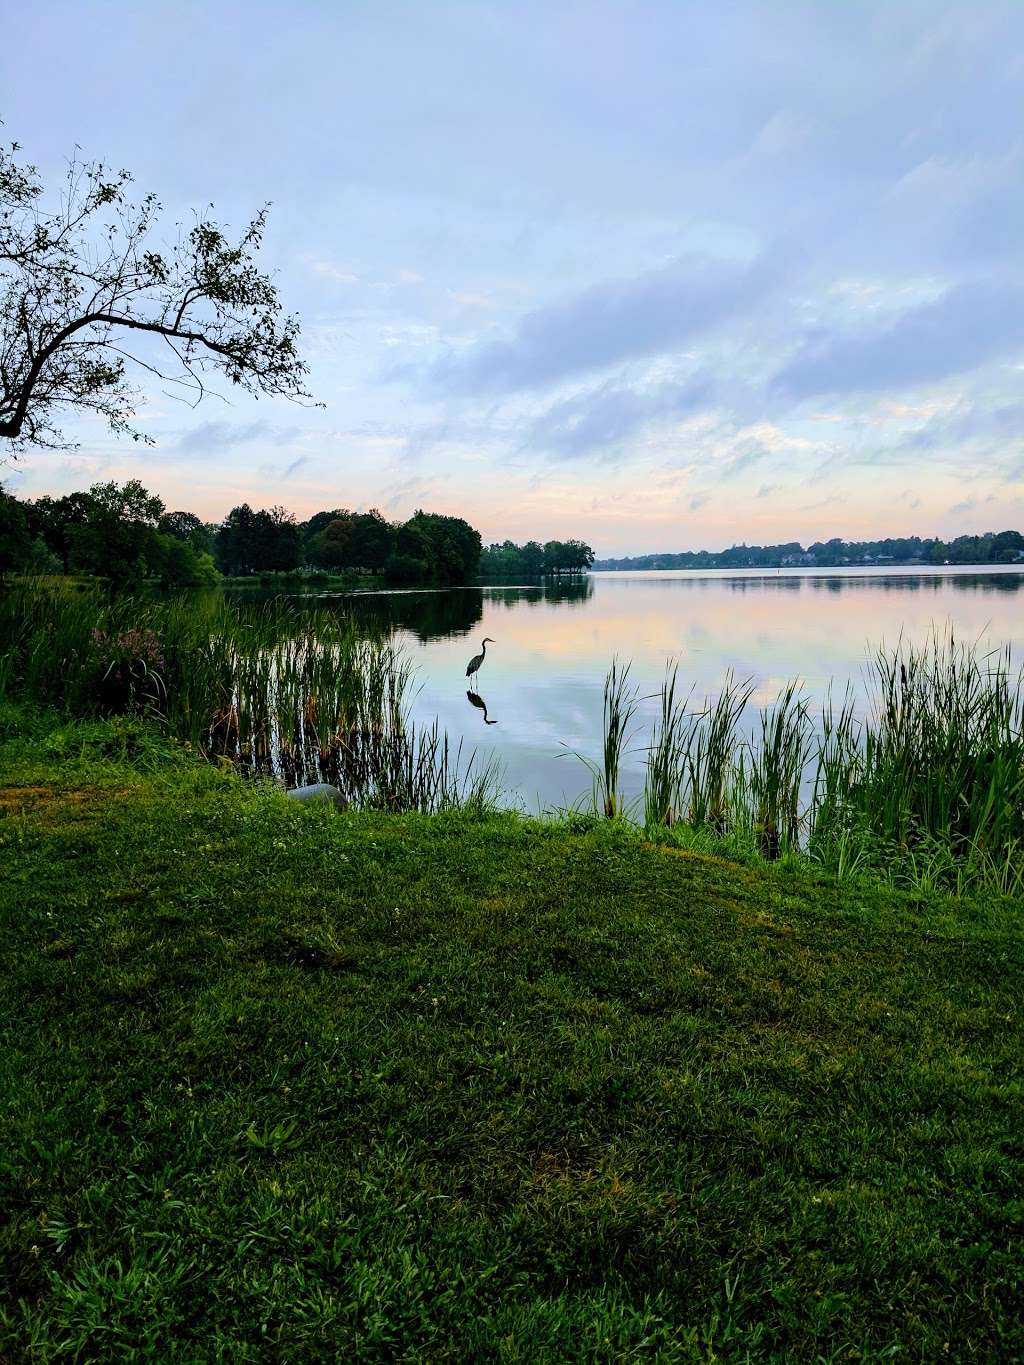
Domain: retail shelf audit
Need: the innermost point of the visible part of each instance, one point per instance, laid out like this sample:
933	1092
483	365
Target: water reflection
571	594
545	677
427	615
431	614
475	699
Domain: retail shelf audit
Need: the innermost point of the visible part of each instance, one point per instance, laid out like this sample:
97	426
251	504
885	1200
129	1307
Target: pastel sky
660	275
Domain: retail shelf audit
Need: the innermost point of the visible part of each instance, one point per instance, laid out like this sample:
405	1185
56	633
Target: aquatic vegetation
926	790
619	704
776	773
692	755
664	778
300	696
932	784
709	755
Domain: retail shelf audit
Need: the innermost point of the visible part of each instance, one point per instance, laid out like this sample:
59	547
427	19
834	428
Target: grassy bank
280	1083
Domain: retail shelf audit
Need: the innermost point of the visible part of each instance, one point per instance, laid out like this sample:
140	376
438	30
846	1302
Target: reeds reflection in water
299	695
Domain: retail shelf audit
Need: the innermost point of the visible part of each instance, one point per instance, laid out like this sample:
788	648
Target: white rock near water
319	791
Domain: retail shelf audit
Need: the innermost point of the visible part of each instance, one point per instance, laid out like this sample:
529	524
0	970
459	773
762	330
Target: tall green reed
691	762
926	789
708	757
662	788
619	705
939	764
779	755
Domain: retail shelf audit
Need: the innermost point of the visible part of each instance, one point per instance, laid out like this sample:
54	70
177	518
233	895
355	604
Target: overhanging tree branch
75	279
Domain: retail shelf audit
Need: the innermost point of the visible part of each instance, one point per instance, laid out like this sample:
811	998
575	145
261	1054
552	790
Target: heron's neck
485	649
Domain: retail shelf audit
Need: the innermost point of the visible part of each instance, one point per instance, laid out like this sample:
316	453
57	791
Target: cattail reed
709	751
664	758
619	708
778	758
619	704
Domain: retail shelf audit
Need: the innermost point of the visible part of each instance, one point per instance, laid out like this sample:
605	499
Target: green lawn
283	1084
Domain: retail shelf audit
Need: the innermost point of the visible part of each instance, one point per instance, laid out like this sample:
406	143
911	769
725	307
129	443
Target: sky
663	276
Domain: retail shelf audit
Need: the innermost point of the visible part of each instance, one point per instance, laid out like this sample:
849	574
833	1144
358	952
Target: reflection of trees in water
427	615
432	615
572	594
920	583
984	582
437	615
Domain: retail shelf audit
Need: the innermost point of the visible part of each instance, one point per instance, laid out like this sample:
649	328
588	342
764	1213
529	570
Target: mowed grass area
283	1084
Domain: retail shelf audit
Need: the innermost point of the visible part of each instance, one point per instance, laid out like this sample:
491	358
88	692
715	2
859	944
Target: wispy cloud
329	271
599	418
971	323
1001	422
208	436
469	300
655	312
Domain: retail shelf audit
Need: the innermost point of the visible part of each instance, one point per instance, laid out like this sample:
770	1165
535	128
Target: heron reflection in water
476	700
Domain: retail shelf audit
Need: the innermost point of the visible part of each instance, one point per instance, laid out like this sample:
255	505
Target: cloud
698	500
209	436
744	454
610	414
330	271
295	466
469	300
968	422
405	492
829	500
652	313
969	324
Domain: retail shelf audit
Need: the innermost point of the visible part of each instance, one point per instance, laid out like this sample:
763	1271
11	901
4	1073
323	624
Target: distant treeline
533	560
1003	547
124	533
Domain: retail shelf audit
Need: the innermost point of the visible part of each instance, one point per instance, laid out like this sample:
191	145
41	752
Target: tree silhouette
86	297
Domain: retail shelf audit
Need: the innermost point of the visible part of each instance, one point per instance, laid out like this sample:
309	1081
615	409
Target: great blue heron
473	666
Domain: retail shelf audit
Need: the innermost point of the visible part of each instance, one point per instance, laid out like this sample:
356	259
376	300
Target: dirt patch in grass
50	804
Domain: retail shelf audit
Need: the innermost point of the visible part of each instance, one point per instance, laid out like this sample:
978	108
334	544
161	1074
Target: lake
542	679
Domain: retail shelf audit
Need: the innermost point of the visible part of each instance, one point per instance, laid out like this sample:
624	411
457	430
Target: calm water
543	677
